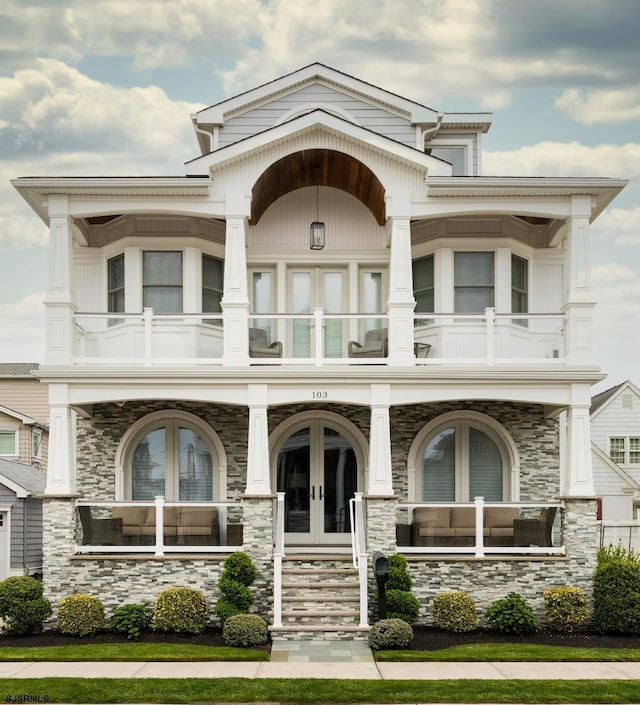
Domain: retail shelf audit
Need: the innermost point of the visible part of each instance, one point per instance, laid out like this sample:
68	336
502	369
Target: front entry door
317	471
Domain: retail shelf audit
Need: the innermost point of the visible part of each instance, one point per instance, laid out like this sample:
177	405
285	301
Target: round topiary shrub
80	615
180	609
22	605
131	620
245	630
512	615
237	575
399	578
402	605
565	608
455	612
390	634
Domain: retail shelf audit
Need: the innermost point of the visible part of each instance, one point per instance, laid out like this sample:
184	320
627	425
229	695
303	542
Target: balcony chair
259	345
535	532
375	344
99	532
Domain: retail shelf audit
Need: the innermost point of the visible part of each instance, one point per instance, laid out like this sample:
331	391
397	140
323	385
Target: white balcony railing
321	339
158	527
480	528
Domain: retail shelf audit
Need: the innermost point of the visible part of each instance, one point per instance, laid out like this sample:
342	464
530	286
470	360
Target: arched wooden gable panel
318	167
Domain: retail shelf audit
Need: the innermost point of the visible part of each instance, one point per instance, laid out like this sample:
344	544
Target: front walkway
356	671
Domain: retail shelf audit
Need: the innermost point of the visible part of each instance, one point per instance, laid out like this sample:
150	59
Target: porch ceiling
318	167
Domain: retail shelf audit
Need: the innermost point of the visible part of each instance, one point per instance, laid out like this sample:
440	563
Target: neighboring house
24	414
615	442
335	308
21	490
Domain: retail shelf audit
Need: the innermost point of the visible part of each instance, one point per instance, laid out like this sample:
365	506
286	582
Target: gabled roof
27	420
23	479
216	114
317	119
604	398
628	480
18	369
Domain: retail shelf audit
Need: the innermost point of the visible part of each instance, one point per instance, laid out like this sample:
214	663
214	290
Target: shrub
22	605
402	605
245	630
390	634
565	608
180	609
512	614
131	620
455	612
80	615
616	591
237	575
399	578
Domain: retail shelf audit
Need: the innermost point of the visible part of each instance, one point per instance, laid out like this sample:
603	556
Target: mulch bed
425	639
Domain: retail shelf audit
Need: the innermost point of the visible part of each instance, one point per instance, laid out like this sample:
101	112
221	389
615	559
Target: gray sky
104	87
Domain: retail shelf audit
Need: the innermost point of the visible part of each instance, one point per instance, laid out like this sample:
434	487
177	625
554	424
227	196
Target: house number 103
319	395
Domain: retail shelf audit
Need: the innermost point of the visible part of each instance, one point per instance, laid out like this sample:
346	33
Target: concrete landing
321	651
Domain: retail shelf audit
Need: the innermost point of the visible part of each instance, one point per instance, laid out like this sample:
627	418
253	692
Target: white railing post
490	315
159	548
479	547
278	554
317	335
147	316
359	551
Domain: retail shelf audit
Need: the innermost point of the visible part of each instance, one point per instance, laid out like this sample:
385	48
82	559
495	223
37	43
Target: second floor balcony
321	339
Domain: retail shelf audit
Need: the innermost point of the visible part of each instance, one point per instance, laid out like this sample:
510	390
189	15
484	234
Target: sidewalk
316	669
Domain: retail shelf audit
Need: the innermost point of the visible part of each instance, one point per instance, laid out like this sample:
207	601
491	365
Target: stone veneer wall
491	578
535	436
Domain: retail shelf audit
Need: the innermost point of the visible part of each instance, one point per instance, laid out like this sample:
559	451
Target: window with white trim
174	459
462	460
115	284
212	285
625	450
36	443
162	281
424	286
9	442
473	281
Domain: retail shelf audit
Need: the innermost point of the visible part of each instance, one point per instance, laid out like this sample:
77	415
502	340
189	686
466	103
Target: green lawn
511	652
190	690
131	651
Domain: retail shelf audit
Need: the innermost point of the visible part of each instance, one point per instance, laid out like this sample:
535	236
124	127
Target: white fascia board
27	420
20	491
216	114
35	190
309	121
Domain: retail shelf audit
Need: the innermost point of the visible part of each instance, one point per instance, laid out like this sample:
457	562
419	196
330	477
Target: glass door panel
294	479
340	482
301	302
333	296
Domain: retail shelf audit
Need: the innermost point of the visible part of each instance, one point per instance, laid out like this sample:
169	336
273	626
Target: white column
401	303
578	468
61	464
59	299
380	481
235	300
578	296
258	469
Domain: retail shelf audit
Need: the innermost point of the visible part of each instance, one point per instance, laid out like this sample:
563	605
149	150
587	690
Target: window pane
8	443
115	293
262	292
439	468
163	299
454	155
485	467
212	272
372	292
474	269
196	468
519	285
148	466
162	268
634	451
473	300
423	284
616	449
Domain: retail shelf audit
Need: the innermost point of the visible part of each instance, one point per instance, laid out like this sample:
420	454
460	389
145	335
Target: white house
332	336
615	447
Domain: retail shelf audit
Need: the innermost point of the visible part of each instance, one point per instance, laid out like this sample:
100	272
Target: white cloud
591	107
23	330
619	226
565	159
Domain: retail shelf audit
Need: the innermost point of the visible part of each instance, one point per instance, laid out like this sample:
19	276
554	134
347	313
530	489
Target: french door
317	470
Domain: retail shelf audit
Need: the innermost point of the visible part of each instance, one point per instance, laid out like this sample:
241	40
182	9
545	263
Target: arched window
458	459
175	457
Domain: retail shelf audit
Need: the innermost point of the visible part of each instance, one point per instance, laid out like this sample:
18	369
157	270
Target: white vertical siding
89	284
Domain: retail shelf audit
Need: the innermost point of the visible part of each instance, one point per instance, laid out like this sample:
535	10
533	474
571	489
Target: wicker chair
535	532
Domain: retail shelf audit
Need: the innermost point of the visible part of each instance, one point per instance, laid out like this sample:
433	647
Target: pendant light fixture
316	231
